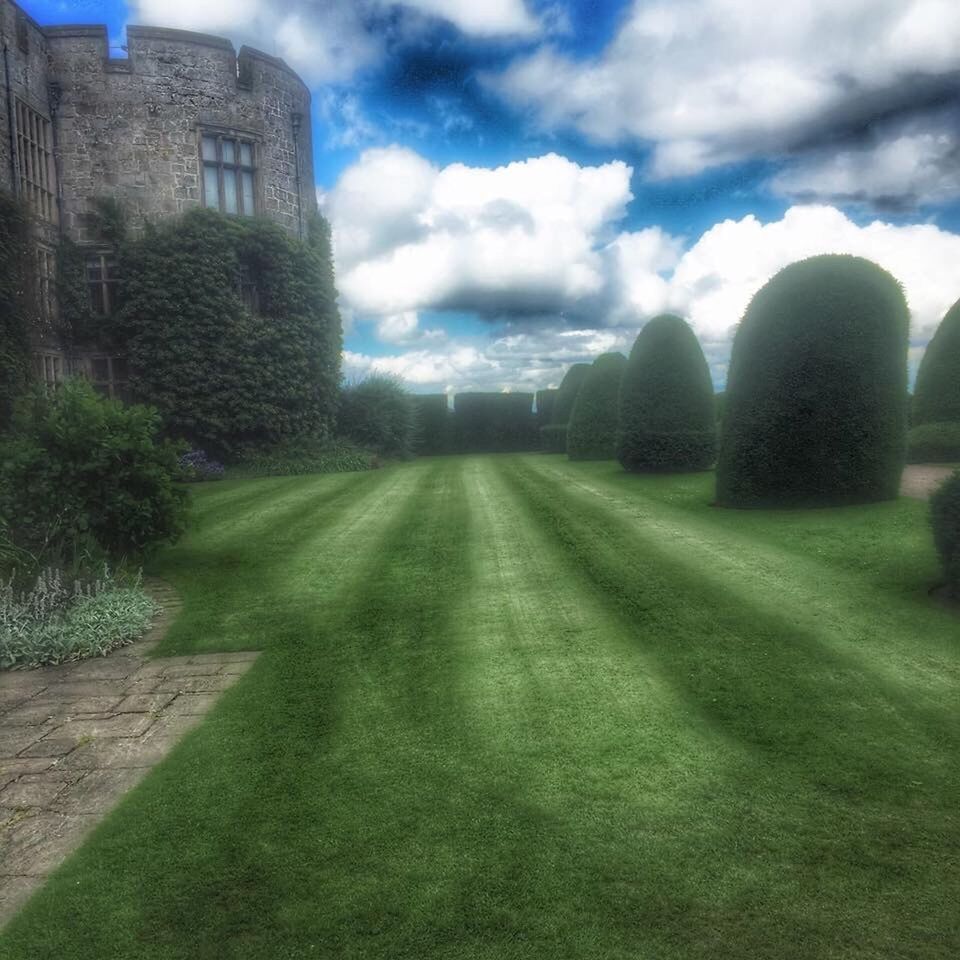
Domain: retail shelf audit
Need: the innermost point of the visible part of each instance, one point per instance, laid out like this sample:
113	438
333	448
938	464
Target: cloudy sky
515	185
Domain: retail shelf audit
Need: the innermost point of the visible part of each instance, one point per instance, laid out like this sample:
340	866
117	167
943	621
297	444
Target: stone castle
181	121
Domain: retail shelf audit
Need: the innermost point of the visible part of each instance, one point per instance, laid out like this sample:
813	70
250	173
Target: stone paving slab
76	737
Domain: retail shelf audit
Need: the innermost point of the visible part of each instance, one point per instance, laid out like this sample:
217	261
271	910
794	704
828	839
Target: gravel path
921	479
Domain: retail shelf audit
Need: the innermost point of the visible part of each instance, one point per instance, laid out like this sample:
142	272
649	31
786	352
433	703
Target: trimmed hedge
945	520
434	423
934	443
667	413
814	408
546	399
553	438
17	304
494	422
232	330
592	431
937	393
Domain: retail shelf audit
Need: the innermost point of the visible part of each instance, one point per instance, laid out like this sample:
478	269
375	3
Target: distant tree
667	415
937	393
592	431
815	411
378	413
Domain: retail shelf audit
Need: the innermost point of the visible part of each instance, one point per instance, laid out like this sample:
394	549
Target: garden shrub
945	519
196	466
434	423
232	330
936	396
592	431
553	436
299	457
814	406
78	468
494	422
934	443
54	620
17	304
378	413
667	416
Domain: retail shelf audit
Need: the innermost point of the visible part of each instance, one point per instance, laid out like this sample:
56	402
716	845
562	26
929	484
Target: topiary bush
17	304
934	443
553	436
592	431
814	401
434	424
936	396
378	413
945	519
79	471
232	330
494	422
667	415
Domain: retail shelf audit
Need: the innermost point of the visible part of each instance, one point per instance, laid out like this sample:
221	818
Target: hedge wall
17	304
494	422
592	431
434	423
667	410
815	413
553	436
934	443
945	519
546	399
232	330
937	393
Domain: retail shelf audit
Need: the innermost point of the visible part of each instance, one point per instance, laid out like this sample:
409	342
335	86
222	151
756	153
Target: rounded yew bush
667	410
945	519
937	395
815	412
553	436
592	430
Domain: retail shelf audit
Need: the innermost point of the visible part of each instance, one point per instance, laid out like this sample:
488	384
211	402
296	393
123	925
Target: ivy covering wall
16	304
232	330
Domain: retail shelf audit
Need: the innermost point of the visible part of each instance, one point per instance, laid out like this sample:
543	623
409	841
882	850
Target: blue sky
521	184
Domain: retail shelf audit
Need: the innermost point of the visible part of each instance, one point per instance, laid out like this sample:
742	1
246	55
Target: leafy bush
667	414
945	519
52	621
78	468
592	431
818	372
937	391
195	466
494	422
232	330
17	304
378	413
295	458
434	423
934	443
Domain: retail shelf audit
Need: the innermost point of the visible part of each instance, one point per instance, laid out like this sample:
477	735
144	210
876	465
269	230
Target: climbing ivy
231	329
17	304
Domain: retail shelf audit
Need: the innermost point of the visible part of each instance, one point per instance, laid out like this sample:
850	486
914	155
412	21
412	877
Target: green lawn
513	707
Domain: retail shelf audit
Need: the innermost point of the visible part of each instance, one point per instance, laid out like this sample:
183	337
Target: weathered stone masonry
131	129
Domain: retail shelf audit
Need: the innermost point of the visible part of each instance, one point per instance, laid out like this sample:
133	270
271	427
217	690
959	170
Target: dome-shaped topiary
554	436
815	411
592	430
937	395
667	410
945	519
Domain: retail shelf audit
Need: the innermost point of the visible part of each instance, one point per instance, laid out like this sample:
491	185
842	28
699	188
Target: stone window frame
47	300
35	161
53	368
103	284
238	138
109	374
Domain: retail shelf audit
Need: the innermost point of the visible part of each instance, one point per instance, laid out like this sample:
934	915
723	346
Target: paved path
921	479
74	738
